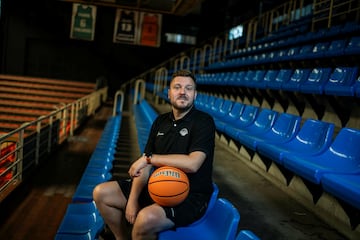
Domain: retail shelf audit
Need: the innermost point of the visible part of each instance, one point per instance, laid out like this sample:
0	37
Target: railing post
139	88
118	103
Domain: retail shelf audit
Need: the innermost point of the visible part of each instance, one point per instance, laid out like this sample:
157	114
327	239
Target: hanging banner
126	24
150	29
83	22
140	28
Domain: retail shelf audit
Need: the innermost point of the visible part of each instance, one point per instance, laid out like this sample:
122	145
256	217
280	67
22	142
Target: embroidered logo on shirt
183	132
160	134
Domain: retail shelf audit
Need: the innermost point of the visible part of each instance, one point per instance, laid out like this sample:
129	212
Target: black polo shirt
194	132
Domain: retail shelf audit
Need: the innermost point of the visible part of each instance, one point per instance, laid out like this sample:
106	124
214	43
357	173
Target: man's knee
97	192
152	219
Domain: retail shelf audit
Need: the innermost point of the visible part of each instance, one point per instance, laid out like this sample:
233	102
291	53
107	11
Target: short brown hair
184	73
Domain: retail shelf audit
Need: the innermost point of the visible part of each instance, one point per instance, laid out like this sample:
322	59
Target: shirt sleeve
203	135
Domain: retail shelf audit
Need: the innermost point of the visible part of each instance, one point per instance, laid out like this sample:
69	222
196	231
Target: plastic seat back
257	79
314	135
202	101
225	108
235	112
215	108
346	147
318	50
248	77
353	47
316	81
223	221
199	224
341	81
313	138
270	76
297	78
282	77
336	48
341	157
263	122
304	50
291	53
284	128
247	117
209	103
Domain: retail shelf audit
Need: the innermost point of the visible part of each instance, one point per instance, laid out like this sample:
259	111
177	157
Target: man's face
182	93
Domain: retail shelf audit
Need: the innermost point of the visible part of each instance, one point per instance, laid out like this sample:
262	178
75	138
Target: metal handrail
40	133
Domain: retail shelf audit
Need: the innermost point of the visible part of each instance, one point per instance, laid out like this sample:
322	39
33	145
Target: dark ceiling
185	7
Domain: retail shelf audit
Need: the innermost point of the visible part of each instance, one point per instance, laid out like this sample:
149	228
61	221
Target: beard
182	103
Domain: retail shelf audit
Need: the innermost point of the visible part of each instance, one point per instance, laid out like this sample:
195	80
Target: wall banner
83	22
150	29
140	28
126	26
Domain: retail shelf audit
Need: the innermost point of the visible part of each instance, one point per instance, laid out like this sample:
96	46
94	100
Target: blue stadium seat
353	46
270	76
293	51
223	109
350	27
212	202
246	119
283	129
318	51
316	81
299	76
239	78
336	48
257	79
281	78
344	186
341	157
248	78
215	107
341	81
199	100
230	118
221	222
81	221
303	51
263	122
209	103
313	138
232	79
246	235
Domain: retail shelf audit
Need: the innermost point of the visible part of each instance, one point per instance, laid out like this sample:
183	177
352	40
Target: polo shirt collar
187	117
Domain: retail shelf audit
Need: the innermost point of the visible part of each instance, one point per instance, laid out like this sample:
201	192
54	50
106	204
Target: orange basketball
168	186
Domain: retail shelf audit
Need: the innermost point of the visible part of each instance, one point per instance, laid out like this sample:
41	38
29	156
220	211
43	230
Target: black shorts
187	212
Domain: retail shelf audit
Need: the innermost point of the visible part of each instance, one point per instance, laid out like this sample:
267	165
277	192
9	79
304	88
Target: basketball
168	186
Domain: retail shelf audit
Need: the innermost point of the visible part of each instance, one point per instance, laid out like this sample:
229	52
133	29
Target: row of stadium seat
338	48
144	117
340	81
220	213
307	147
82	220
266	44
